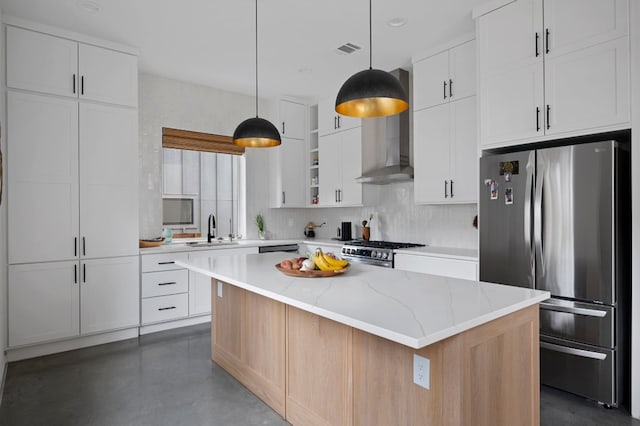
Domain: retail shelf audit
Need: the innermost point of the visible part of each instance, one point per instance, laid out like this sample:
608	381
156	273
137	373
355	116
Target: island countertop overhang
412	309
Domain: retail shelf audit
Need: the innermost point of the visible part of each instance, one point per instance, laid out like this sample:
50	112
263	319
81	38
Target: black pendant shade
371	93
256	132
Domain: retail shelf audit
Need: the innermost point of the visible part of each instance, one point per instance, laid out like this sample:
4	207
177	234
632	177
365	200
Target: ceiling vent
348	49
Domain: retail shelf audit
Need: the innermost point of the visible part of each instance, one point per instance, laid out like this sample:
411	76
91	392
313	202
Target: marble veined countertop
409	308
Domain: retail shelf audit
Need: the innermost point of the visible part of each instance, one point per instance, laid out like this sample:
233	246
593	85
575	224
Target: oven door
369	261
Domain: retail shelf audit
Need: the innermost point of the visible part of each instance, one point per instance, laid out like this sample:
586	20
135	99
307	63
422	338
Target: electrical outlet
421	374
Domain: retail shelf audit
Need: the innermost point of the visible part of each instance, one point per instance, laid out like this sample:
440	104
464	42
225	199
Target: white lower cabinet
165	308
165	288
81	298
443	266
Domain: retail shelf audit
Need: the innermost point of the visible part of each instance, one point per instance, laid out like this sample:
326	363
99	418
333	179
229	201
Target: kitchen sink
214	243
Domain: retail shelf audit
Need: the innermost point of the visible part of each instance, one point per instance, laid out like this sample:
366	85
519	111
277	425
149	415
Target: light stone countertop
409	308
180	245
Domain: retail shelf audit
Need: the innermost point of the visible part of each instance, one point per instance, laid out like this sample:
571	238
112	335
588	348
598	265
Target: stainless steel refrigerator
555	219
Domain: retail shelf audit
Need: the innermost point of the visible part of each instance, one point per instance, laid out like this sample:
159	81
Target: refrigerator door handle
537	222
527	217
570	310
572	351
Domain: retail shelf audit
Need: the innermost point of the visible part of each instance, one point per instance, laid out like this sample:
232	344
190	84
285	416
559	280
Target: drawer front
580	369
581	322
165	308
165	282
162	261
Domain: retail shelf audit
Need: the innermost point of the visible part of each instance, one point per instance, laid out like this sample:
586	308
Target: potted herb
260	224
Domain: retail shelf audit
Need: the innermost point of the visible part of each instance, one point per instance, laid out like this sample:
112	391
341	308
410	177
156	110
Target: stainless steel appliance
379	253
555	219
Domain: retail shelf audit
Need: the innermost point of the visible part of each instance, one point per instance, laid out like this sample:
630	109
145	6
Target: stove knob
374	253
379	255
385	255
344	250
353	251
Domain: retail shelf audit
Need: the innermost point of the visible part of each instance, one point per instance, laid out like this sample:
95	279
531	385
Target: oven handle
573	351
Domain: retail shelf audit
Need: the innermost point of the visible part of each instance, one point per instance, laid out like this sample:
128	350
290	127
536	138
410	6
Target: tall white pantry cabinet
72	129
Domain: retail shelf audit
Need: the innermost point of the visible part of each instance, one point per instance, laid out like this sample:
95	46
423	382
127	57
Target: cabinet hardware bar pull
84	246
339	195
546	37
167	263
74	83
450	88
338	122
75	274
335	195
446	195
548	115
572	351
335	122
82	85
537	119
537	40
283	127
84	272
164	309
75	246
283	197
572	310
451	187
444	89
169	283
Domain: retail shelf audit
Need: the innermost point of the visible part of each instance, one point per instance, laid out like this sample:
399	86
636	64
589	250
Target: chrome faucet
211	228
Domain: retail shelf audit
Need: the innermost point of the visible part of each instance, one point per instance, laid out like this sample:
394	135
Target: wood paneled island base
315	371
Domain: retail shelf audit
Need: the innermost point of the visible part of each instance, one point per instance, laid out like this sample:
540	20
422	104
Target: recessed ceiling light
89	6
397	22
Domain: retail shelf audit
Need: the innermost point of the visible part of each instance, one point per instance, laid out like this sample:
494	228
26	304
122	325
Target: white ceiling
211	42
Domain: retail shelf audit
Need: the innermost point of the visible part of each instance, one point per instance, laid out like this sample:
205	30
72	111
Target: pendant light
372	92
256	132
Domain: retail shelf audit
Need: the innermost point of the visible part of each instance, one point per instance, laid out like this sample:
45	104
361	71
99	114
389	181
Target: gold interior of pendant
372	107
256	142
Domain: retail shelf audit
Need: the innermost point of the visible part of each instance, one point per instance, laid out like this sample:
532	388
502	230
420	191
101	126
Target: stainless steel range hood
397	140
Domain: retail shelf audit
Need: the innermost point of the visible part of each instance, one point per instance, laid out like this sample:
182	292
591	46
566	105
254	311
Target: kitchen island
341	350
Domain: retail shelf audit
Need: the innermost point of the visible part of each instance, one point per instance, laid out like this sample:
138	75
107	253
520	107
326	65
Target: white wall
170	103
635	208
165	102
3	221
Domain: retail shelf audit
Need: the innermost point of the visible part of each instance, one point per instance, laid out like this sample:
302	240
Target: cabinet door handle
537	42
335	122
75	274
548	116
75	246
84	272
74	83
446	193
283	197
339	195
451	187
82	85
546	40
444	89
167	263
84	246
167	308
338	122
537	119
283	127
169	283
450	88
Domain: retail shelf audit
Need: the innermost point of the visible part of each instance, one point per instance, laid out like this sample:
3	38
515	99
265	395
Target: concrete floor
168	379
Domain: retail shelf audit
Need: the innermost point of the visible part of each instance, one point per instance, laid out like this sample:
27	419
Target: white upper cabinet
561	72
108	181
444	77
330	170
108	76
340	164
41	63
445	153
329	121
289	173
292	120
57	66
43	178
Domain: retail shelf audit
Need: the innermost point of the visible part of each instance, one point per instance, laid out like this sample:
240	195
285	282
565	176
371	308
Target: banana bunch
324	262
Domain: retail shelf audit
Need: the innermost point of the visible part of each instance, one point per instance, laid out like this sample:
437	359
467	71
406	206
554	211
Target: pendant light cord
370	39
257	58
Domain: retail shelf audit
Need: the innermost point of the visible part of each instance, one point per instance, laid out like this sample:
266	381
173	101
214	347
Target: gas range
379	253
